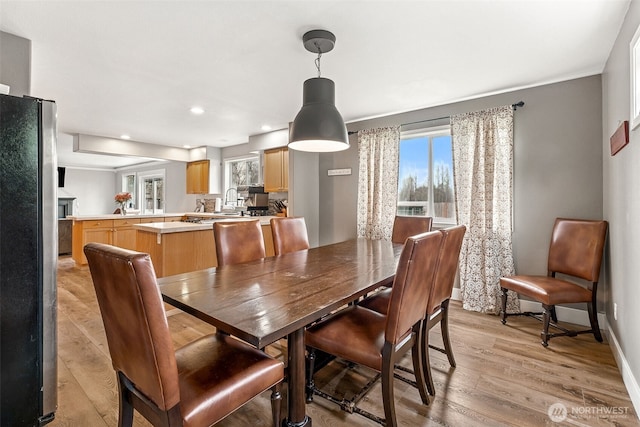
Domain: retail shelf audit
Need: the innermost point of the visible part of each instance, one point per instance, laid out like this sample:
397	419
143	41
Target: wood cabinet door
276	170
198	177
124	235
98	235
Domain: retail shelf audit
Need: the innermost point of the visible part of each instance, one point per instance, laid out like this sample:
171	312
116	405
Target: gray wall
15	63
338	195
304	191
93	190
622	207
557	164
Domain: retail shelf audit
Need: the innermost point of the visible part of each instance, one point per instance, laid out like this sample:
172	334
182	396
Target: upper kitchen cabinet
276	170
198	177
204	176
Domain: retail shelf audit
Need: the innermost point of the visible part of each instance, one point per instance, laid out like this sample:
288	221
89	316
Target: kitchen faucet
226	196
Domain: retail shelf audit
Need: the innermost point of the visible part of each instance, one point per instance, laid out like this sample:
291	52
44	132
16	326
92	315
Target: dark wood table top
263	301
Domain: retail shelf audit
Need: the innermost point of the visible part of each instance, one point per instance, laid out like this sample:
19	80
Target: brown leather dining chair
406	226
378	341
575	252
196	385
438	305
238	242
289	234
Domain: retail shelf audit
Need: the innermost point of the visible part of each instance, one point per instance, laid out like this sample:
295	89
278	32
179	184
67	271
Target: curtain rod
515	107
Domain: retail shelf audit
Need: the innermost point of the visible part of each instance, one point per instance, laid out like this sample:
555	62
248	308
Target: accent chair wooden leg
276	404
546	317
125	404
593	319
444	327
503	312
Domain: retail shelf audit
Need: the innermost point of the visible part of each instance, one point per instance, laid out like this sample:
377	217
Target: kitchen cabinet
117	232
123	234
276	170
204	176
198	177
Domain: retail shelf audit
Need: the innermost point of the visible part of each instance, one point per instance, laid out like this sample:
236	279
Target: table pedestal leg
295	350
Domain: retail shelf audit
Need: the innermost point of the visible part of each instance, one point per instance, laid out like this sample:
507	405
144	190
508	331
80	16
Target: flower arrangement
122	199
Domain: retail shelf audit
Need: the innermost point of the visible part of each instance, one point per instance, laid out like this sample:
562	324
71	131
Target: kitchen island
112	229
180	247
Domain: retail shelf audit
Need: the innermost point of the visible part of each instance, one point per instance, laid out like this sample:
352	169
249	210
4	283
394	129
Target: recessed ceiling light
266	127
125	137
197	110
186	146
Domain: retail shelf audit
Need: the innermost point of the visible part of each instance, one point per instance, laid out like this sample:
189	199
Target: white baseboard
581	317
629	380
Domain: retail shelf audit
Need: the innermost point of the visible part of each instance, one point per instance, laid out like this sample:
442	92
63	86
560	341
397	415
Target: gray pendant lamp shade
318	127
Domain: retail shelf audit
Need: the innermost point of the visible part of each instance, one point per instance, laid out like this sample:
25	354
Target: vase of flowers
122	199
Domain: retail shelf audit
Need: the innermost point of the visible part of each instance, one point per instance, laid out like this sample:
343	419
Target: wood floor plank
504	377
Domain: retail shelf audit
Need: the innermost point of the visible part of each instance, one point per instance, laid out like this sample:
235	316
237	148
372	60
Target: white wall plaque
335	172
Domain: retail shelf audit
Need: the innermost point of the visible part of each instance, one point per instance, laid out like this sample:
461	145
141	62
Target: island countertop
180	227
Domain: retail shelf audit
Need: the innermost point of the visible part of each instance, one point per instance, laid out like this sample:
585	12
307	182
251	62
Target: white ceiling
136	67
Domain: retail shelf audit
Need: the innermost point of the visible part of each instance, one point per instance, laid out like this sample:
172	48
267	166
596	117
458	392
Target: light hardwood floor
504	377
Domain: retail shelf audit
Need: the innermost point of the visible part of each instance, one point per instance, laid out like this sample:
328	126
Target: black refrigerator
28	261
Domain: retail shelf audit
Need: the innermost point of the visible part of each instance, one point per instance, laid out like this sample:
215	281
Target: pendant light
318	127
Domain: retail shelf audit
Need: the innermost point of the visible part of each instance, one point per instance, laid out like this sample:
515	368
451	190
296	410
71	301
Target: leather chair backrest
134	320
576	247
447	267
238	242
289	234
412	284
406	226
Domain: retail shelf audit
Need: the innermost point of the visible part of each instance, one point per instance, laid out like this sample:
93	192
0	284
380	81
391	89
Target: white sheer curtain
483	174
378	181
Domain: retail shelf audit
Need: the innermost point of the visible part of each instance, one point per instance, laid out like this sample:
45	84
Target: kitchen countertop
118	216
180	227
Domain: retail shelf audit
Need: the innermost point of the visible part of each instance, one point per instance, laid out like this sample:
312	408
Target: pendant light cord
318	59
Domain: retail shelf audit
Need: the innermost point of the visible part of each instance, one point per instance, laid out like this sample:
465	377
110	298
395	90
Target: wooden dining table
264	301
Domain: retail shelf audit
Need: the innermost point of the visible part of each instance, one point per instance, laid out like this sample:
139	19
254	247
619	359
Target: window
238	172
425	175
152	192
129	186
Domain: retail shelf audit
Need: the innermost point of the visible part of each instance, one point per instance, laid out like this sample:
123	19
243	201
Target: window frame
133	203
152	174
430	133
227	170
